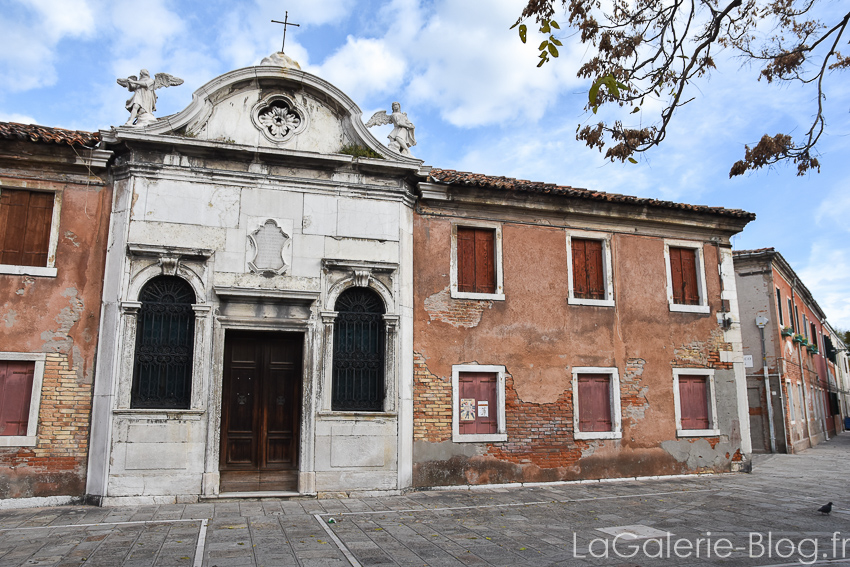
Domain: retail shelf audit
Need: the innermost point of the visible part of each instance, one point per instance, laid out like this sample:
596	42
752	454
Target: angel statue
401	138
143	102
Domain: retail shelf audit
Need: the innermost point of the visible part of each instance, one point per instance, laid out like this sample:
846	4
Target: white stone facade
193	193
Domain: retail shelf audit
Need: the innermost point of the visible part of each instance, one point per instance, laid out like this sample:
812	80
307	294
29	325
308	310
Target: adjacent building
54	216
564	334
794	359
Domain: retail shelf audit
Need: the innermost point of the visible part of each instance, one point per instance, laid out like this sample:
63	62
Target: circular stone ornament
278	118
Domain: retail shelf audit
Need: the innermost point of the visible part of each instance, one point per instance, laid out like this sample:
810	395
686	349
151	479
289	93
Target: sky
473	91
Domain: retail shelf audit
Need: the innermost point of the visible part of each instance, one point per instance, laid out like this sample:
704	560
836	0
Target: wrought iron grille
358	363
165	332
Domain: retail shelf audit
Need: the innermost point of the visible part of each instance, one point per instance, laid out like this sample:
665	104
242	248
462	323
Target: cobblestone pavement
767	518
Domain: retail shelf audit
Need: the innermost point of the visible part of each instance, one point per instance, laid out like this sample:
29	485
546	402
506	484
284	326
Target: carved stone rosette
279	118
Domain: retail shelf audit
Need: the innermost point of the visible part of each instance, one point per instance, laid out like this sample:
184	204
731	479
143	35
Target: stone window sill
479	437
698	433
598	434
18	441
39	271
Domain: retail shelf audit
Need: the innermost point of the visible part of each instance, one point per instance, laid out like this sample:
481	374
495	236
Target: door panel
260	411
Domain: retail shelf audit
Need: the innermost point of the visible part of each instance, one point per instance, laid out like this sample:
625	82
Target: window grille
358	355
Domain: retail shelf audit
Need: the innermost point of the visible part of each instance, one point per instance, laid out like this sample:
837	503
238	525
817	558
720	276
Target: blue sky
470	87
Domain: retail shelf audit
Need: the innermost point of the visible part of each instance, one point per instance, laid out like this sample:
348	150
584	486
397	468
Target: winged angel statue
143	102
401	138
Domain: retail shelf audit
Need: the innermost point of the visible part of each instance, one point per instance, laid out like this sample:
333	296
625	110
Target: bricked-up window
683	271
693	399
477	402
16	377
594	402
695	402
476	260
165	337
588	271
25	221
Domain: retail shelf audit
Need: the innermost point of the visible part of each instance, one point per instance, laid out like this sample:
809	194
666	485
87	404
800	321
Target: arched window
358	357
165	333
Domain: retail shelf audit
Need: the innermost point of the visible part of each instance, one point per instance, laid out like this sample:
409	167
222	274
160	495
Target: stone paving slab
767	518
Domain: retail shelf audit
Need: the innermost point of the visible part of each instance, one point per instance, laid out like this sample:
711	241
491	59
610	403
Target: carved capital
328	317
131	307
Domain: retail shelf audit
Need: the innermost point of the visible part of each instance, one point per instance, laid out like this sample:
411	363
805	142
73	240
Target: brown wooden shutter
587	269
476	266
25	220
480	387
683	272
15	396
594	402
693	402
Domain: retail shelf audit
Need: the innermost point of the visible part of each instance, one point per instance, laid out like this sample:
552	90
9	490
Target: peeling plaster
60	340
456	312
697	352
699	454
631	386
28	282
590	447
72	238
541	385
9	319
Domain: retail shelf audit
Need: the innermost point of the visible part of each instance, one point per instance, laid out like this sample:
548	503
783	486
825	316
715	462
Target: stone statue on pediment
402	137
142	104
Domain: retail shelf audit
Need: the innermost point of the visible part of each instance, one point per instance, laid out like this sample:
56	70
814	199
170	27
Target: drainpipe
760	323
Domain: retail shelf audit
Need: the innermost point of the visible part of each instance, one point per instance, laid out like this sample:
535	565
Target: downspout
760	323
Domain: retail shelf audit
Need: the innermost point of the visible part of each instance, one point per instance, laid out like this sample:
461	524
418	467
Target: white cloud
362	67
31	32
826	275
15	117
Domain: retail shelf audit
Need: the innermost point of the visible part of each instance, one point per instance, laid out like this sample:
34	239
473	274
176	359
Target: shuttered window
477	409
683	272
693	401
15	396
25	219
476	260
779	307
594	402
588	274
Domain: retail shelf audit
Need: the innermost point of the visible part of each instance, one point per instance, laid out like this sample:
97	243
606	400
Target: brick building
805	363
54	215
564	334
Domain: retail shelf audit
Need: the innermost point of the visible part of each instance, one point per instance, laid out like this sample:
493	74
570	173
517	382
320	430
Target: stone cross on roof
285	23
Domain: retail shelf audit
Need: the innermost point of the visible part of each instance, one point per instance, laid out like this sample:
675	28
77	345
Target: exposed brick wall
539	434
456	312
432	404
57	464
703	354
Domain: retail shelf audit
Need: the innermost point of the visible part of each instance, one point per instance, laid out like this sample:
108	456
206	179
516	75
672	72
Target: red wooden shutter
476	270
480	387
25	219
683	272
594	402
693	402
465	259
15	396
579	268
595	286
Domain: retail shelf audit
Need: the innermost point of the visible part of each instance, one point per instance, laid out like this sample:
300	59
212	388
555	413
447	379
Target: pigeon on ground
826	508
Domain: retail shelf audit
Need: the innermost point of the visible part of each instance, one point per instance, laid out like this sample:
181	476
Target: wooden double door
261	403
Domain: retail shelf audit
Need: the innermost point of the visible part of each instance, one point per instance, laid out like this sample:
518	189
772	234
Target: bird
826	508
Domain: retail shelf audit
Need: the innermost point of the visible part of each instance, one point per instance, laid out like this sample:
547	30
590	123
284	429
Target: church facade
257	327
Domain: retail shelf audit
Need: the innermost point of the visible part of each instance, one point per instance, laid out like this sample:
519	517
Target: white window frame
501	432
30	439
793	411
713	431
49	270
616	410
608	273
499	295
703	306
801	393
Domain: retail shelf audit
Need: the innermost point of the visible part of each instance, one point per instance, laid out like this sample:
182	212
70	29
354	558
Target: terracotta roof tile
452	177
33	133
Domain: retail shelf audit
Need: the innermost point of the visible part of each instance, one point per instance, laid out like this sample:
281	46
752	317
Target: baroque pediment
271	107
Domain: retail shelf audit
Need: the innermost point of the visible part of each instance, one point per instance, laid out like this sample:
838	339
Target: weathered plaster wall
58	316
538	337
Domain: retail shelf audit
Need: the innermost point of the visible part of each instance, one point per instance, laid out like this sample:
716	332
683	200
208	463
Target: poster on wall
483	408
467	409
